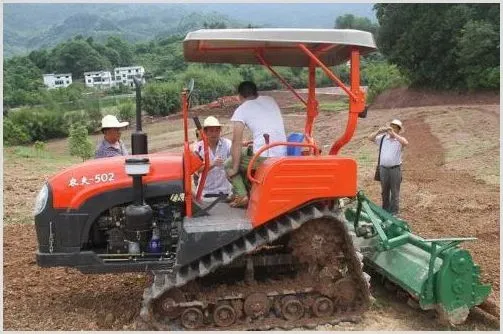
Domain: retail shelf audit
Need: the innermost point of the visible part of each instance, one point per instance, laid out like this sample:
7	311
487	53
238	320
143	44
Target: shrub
40	124
39	147
126	111
77	117
14	134
25	152
211	84
119	89
380	76
92	108
161	98
79	143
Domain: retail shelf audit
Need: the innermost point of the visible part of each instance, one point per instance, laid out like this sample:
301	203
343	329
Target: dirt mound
408	97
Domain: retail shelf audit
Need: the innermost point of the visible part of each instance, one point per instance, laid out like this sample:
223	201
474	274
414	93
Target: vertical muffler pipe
138	214
138	138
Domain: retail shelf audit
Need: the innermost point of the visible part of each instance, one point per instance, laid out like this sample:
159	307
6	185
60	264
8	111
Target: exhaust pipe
138	138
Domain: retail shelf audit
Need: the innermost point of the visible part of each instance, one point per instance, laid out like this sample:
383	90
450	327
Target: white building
99	79
124	75
62	80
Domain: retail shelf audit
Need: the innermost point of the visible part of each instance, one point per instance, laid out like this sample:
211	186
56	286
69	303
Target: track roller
224	315
292	308
192	318
256	305
323	307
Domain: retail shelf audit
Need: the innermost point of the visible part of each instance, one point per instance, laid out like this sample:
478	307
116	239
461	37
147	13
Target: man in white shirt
390	163
220	150
261	114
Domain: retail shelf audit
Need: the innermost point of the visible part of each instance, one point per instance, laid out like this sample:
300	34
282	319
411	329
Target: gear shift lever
266	138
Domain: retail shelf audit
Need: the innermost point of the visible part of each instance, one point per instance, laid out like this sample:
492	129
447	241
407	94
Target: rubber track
267	233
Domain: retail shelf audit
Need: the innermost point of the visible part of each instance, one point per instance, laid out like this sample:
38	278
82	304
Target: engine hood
74	186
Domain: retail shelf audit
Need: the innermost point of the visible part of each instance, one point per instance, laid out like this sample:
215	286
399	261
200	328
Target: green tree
22	82
122	48
40	59
475	51
79	143
76	57
210	83
380	76
214	25
350	21
425	40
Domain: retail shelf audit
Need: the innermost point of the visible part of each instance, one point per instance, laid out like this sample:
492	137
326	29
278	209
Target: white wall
124	75
98	79
57	80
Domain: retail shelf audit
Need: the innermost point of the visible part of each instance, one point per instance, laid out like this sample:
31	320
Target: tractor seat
294	137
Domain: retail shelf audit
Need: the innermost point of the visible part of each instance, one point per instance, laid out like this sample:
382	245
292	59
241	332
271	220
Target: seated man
220	150
261	114
111	145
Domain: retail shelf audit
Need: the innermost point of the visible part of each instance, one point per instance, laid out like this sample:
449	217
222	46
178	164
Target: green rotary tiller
437	273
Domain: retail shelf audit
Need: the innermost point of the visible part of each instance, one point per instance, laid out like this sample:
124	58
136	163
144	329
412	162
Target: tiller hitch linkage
435	272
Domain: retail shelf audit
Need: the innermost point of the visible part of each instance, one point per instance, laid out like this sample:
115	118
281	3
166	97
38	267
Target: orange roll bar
259	56
356	104
187	184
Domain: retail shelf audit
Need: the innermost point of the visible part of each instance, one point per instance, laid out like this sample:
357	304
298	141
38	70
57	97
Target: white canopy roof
236	46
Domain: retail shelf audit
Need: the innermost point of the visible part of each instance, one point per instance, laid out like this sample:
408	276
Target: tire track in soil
448	203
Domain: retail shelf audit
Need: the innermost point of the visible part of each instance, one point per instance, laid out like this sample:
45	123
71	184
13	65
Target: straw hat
211	121
110	121
397	123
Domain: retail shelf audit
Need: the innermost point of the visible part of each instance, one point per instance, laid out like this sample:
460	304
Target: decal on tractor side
98	178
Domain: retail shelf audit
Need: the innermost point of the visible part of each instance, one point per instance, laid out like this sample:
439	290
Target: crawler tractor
294	257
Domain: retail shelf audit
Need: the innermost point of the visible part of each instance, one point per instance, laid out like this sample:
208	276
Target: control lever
197	122
266	138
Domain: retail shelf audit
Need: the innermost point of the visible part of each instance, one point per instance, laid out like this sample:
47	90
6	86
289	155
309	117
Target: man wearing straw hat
216	183
390	162
111	145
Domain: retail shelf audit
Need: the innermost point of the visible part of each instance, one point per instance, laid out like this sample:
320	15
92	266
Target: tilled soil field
450	188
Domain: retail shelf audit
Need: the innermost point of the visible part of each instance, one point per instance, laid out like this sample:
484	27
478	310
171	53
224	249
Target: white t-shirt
262	115
391	151
216	181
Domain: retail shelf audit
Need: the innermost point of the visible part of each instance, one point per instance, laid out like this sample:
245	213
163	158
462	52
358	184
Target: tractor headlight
41	200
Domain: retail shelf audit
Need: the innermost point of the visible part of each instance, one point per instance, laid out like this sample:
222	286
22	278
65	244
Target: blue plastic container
295	137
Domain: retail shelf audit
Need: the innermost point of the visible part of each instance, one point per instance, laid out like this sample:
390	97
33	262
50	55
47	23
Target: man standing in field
111	145
261	114
391	145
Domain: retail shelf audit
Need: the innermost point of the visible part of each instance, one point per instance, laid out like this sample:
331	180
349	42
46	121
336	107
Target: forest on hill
29	27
